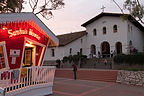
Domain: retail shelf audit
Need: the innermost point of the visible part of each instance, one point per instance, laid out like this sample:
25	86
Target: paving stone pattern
70	87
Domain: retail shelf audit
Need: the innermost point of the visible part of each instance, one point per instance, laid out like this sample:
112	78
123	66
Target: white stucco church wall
126	32
60	52
136	36
110	36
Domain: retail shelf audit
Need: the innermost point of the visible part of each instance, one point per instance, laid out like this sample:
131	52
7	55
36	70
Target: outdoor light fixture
28	45
4	28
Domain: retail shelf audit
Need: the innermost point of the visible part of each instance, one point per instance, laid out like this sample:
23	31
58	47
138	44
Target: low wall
131	77
88	74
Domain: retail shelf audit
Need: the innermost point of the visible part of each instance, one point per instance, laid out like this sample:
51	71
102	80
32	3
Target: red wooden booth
23	40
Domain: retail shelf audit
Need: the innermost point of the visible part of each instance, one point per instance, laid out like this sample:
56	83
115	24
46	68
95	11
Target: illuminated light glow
4	28
33	34
23	32
28	45
28	42
17	32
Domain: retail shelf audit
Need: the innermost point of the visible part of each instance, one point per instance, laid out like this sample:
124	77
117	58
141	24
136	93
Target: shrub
130	59
74	58
65	59
133	69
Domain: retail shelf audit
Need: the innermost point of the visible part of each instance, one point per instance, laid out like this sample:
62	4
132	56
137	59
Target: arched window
118	47
131	28
70	52
130	46
53	52
81	41
80	51
130	43
128	28
104	30
115	28
105	49
94	32
93	49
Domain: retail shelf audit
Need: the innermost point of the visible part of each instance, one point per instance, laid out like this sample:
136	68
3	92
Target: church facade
105	34
69	44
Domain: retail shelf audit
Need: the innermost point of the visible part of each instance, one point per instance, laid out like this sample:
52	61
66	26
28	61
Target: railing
17	81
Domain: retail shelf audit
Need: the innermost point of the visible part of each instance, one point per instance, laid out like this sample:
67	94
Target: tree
46	7
13	6
135	8
43	7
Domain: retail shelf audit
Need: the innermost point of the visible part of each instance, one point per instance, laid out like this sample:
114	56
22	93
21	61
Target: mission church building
105	33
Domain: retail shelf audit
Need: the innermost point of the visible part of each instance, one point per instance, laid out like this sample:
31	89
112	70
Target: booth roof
8	17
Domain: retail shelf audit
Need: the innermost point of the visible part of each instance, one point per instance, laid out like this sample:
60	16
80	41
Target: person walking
74	70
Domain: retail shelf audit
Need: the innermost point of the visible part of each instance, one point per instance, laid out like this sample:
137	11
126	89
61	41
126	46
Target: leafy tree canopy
13	6
135	8
43	7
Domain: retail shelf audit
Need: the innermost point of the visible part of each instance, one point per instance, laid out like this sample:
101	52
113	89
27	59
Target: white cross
103	8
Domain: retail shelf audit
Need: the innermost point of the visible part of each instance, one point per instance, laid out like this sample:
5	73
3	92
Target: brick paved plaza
70	87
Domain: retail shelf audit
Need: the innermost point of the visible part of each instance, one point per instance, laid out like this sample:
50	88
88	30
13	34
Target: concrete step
97	63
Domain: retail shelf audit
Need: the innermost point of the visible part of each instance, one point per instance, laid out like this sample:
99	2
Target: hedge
130	59
74	58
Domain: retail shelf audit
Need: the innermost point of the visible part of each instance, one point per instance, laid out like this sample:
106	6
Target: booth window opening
2	58
29	54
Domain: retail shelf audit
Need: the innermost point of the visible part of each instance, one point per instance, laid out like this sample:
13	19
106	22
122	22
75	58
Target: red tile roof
70	37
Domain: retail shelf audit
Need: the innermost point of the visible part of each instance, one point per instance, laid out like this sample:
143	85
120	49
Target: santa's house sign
22	32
